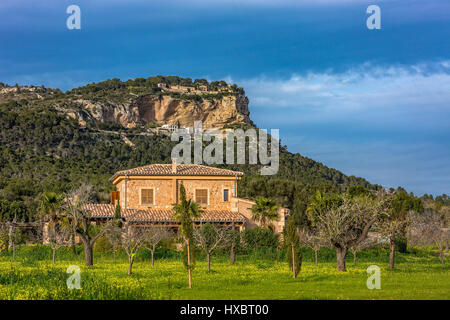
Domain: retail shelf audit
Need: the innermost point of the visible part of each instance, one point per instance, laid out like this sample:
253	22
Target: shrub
257	238
103	245
401	243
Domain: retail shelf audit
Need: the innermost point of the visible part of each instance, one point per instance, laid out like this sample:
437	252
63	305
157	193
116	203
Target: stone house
147	194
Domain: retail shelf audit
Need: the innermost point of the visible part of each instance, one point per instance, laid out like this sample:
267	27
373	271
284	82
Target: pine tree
117	217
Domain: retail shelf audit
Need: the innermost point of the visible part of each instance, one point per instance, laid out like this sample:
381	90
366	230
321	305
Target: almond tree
311	239
344	221
209	238
130	239
233	238
428	228
80	219
390	227
58	236
152	237
363	245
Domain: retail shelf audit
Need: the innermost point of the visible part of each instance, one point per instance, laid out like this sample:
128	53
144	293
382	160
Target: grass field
417	275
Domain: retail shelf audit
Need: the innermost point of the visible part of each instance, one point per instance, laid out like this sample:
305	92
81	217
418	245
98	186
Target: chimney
174	165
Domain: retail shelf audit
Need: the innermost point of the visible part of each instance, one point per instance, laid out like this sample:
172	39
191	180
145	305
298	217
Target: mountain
53	141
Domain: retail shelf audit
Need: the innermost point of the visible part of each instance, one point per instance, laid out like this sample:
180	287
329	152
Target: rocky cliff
165	109
135	103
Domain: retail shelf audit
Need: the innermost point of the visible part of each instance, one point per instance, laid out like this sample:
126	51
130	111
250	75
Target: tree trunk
293	260
208	258
153	258
189	264
88	254
341	253
391	254
441	256
232	254
54	254
72	244
316	260
130	265
354	258
12	244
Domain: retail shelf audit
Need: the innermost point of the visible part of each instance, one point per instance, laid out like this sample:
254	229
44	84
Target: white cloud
387	124
362	89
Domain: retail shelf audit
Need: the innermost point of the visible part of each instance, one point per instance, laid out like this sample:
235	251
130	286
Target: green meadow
418	275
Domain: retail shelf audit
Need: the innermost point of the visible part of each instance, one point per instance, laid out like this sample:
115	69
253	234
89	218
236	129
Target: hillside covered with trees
42	149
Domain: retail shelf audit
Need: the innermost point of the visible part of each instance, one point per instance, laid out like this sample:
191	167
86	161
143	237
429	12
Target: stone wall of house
166	191
162	196
215	192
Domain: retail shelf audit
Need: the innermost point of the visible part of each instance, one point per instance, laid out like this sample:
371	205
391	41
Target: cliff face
130	107
164	109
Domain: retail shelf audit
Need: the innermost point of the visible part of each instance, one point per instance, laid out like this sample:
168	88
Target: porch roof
105	211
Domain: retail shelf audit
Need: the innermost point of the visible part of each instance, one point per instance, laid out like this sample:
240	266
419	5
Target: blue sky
371	103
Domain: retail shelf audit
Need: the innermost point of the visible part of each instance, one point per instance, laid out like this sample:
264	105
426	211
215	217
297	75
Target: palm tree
185	210
265	211
50	204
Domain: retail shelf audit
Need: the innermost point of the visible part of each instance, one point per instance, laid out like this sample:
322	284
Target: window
225	195
201	196
147	196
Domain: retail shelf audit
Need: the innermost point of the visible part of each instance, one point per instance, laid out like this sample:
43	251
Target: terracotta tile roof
161	215
100	210
182	169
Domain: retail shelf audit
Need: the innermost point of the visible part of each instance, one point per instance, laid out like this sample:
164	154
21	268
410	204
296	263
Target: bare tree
232	238
209	238
152	237
362	245
391	227
112	235
80	218
130	239
345	221
58	236
311	239
428	228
